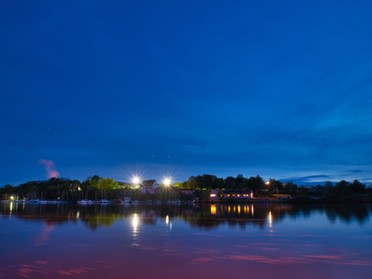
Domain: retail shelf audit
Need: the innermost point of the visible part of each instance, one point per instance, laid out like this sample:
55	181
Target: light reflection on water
218	241
135	221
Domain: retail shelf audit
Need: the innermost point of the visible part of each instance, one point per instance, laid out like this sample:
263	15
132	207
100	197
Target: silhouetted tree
240	182
230	182
255	183
358	187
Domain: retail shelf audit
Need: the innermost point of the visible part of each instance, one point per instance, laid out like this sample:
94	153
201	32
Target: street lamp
136	180
167	181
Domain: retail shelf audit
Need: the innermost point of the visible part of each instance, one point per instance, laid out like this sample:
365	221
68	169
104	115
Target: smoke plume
49	168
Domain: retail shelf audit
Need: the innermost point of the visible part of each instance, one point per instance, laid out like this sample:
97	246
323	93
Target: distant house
149	186
230	195
214	196
240	195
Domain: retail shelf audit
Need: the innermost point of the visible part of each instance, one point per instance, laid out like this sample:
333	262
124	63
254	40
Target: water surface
218	241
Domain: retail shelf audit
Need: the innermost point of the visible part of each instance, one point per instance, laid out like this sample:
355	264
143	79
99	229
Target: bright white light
213	195
135	223
167	219
167	181
11	198
270	217
136	180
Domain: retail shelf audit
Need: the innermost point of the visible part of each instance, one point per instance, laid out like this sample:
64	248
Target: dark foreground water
217	241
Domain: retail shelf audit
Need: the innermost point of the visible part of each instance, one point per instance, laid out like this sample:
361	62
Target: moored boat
84	202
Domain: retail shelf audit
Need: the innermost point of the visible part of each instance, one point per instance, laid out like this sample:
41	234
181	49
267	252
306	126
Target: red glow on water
44	236
136	243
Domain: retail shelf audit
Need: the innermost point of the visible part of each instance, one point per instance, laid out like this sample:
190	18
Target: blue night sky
282	89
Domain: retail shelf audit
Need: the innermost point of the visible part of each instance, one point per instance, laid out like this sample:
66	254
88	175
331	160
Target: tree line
331	191
96	187
93	187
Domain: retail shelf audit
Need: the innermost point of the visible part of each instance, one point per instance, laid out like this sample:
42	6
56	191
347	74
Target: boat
126	201
103	202
84	202
34	201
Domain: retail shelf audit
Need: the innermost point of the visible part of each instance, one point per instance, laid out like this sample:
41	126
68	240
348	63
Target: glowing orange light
213	209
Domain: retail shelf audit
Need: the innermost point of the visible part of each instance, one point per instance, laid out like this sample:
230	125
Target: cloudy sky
277	88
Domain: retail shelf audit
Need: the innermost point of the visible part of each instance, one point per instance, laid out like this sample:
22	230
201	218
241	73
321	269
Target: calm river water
213	241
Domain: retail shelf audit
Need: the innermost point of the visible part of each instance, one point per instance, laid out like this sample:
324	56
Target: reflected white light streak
168	222
270	218
135	223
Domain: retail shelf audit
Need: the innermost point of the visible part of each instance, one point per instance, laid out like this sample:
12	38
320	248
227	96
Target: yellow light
11	198
167	181
213	209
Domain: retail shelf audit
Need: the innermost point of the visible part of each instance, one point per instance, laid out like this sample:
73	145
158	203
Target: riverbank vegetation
196	187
